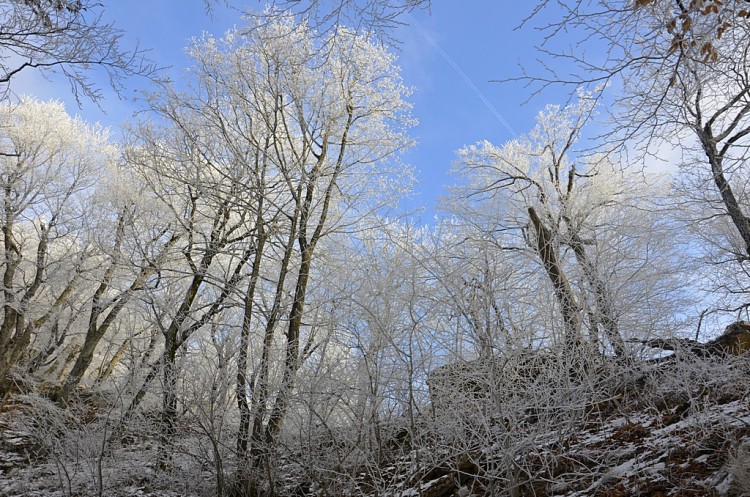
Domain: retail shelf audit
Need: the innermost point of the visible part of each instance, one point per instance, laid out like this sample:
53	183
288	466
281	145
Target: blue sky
449	56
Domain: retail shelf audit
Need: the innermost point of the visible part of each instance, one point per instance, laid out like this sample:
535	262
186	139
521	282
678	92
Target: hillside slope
677	428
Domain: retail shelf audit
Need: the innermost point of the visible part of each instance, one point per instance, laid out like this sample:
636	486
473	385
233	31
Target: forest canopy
229	298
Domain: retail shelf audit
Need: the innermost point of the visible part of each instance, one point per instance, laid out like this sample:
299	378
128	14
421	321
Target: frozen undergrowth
673	430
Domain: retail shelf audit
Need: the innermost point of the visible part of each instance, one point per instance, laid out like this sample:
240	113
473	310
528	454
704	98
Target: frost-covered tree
680	73
205	227
281	139
380	16
574	211
50	165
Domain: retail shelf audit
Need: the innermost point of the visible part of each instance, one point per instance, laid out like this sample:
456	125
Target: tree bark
563	291
243	406
106	370
604	313
739	219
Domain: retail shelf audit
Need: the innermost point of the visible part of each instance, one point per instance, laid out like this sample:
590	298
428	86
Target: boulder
734	341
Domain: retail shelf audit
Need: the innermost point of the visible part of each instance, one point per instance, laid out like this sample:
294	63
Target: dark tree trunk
563	291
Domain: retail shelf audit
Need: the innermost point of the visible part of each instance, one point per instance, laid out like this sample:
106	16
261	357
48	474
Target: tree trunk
741	222
106	371
604	312
563	291
243	406
292	348
168	429
261	380
172	344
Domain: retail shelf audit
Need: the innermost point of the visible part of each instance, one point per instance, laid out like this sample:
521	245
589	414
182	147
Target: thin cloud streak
465	77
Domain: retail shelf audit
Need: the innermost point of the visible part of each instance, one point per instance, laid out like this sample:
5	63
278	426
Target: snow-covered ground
680	429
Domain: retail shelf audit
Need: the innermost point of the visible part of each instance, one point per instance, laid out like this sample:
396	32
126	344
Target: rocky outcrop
482	380
677	429
734	341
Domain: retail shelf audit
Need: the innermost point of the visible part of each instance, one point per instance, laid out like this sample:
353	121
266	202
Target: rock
734	341
455	384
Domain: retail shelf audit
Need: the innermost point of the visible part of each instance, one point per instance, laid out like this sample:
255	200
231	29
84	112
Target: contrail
465	77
